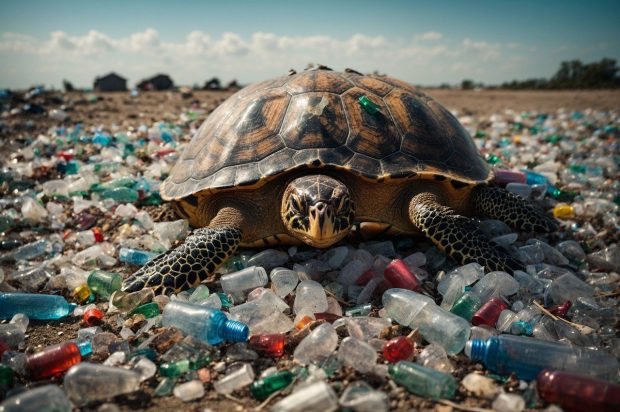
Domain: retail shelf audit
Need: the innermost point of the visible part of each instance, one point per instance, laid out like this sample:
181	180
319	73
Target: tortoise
299	158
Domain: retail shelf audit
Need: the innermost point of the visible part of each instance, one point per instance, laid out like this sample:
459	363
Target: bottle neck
478	349
234	331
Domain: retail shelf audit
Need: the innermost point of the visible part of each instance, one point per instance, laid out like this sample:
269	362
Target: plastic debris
576	392
35	306
88	382
210	325
423	381
81	208
526	357
318	396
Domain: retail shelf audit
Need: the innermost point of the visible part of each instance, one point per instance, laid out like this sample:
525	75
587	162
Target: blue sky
424	42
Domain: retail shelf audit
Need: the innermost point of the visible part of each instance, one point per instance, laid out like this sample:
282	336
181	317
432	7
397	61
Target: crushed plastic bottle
87	382
436	325
48	398
318	396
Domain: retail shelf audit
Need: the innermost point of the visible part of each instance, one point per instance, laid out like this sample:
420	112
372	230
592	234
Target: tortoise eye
295	204
344	204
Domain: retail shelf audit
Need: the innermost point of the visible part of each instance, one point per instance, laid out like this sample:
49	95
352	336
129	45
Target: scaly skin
500	204
187	265
457	235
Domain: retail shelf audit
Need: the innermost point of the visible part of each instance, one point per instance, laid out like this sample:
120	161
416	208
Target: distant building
159	82
110	83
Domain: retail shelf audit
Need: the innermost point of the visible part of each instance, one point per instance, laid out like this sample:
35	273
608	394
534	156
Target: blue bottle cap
235	331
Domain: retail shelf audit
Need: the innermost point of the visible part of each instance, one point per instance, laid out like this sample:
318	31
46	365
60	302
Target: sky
422	42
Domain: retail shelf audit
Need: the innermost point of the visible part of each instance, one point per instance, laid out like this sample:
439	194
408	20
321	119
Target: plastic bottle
357	354
86	382
526	357
210	325
53	360
121	195
35	306
318	396
237	379
269	344
244	280
491	285
423	381
48	398
31	250
174	369
135	257
310	295
578	393
262	388
13	333
149	310
399	276
488	314
436	325
103	283
318	345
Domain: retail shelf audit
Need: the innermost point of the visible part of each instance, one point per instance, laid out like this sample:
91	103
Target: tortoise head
317	210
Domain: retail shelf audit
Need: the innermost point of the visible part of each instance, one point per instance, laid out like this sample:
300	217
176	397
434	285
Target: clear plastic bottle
436	325
526	357
210	325
48	398
244	280
318	396
86	382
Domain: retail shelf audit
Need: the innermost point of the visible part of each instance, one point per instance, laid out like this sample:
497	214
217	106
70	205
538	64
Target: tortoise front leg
457	235
519	214
186	266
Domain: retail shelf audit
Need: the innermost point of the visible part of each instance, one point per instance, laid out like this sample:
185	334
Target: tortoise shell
315	119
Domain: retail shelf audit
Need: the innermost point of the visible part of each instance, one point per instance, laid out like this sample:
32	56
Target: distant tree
213	84
467	84
67	85
233	85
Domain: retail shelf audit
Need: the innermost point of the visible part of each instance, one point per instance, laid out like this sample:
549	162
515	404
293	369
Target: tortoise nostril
320	206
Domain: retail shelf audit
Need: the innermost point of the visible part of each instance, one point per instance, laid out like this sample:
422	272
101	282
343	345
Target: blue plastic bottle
34	305
135	257
526	357
210	325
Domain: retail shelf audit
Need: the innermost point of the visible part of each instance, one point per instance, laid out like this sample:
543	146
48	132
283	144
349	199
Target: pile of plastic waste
364	325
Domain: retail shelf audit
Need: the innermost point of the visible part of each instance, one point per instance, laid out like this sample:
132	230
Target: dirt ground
149	107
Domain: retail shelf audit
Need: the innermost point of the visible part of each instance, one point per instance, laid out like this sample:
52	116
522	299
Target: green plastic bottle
423	381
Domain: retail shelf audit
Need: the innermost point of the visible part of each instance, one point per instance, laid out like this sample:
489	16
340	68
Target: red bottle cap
399	275
488	314
93	316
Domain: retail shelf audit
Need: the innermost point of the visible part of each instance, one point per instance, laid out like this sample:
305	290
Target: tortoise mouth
320	242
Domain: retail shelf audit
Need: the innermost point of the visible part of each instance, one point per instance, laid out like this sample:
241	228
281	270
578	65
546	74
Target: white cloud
427	58
430	35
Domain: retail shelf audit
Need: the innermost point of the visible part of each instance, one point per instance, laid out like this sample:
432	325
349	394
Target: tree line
573	74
